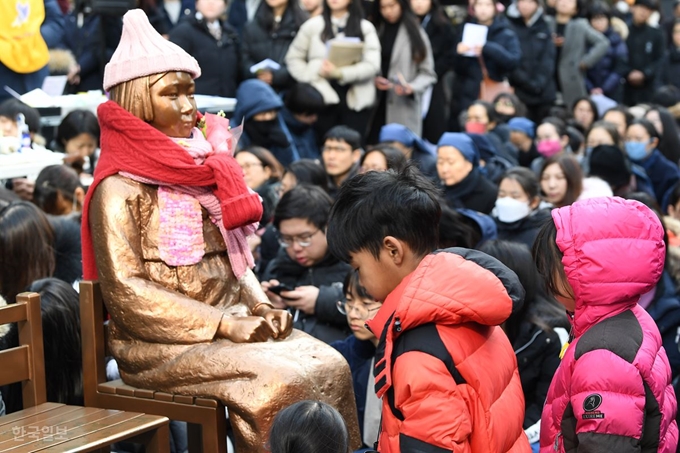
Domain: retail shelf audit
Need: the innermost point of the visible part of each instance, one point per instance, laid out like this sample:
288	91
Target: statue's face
174	107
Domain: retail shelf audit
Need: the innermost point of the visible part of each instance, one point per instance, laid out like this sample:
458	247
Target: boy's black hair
308	171
309	427
12	107
353	287
376	204
455	230
599	8
304	201
304	99
344	134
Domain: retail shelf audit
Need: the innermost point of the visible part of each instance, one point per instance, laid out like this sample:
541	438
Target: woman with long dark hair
407	67
348	91
664	123
439	29
269	35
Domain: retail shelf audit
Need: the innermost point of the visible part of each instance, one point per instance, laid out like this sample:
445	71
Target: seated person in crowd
414	148
359	351
341	153
522	134
10	135
303	103
312	275
259	107
78	137
458	168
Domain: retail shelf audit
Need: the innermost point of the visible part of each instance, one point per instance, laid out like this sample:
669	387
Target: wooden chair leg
215	439
155	441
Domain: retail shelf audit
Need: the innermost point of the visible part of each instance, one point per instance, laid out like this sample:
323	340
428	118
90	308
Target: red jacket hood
451	287
613	253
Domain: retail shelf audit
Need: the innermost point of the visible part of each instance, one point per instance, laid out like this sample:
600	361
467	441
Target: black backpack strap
424	338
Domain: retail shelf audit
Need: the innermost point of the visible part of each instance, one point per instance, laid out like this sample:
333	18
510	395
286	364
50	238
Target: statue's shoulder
119	187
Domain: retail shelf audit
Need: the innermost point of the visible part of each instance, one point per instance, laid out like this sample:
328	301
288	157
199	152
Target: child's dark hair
60	308
304	202
353	287
526	179
309	427
52	181
308	171
12	107
395	159
374	205
456	230
548	258
649	127
75	123
26	248
518	258
490	110
344	134
304	99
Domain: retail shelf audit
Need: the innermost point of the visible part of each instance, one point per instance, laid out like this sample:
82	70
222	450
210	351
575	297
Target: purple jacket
612	391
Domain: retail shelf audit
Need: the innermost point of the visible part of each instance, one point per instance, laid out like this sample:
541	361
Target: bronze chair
206	418
52	427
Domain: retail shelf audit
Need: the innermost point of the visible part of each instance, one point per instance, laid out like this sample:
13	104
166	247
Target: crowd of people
564	187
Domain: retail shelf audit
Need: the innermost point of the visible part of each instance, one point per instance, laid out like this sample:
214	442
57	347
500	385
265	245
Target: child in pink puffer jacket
612	391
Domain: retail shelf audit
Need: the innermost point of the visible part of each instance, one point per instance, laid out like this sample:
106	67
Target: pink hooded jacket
612	391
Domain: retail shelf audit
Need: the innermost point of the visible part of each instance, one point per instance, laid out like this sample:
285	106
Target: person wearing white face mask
518	212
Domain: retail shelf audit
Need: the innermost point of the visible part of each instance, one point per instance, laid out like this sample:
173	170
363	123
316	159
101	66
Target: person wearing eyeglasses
340	154
359	351
304	265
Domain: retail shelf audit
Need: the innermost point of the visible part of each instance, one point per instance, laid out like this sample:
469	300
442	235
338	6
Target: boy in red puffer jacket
445	370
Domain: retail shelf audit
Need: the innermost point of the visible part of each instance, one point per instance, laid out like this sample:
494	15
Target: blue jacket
358	354
303	136
662	172
665	310
52	28
608	73
252	97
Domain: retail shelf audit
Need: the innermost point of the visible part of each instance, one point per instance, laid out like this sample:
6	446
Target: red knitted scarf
128	144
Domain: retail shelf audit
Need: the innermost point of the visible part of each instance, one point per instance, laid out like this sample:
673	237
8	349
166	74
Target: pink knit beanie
143	51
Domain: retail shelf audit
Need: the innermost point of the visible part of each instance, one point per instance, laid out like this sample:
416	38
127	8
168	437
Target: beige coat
407	110
164	320
307	52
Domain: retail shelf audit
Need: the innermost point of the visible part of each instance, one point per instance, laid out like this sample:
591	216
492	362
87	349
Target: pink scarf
240	256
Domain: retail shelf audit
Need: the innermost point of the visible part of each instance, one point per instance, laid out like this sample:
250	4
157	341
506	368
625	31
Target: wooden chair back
25	363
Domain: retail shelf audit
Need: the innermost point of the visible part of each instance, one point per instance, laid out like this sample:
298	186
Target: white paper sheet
54	85
266	64
474	35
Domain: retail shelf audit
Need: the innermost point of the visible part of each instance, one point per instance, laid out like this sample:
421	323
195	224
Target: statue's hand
246	329
281	321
